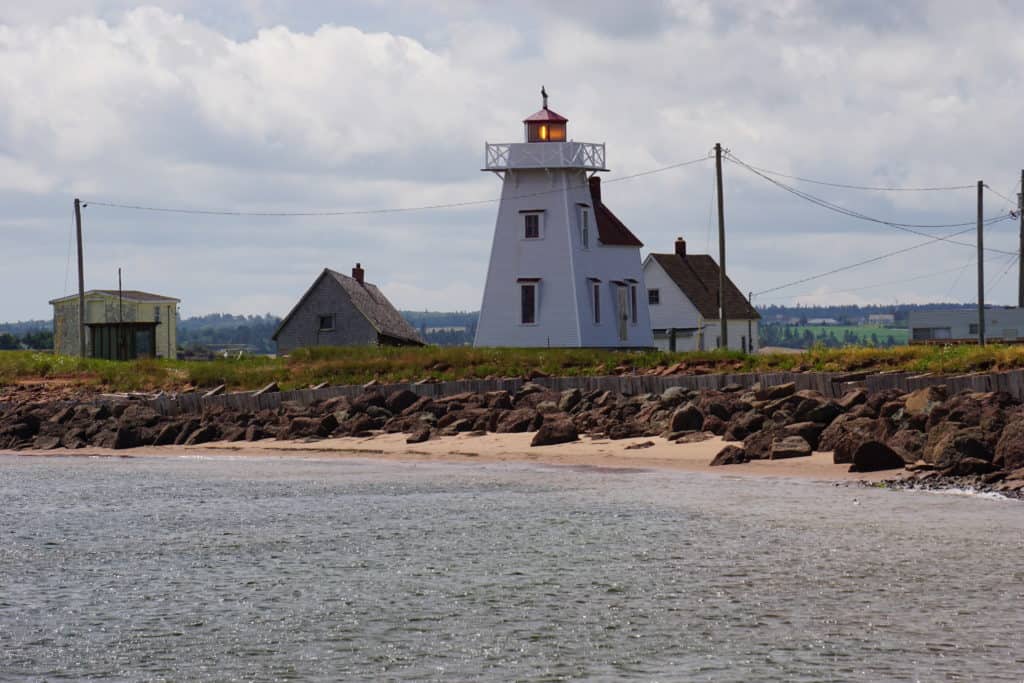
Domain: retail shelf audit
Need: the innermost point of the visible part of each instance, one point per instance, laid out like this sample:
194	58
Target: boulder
204	434
775	392
758	445
674	396
714	424
167	434
419	436
873	455
730	455
555	432
126	437
743	424
328	423
399	400
808	431
968	466
789	447
686	418
46	443
922	401
547	407
254	433
1009	454
301	427
841	426
366	399
569	399
908	443
948	443
852	398
520	420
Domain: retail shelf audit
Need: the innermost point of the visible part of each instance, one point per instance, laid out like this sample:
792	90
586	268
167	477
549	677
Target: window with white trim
528	303
532	226
584	219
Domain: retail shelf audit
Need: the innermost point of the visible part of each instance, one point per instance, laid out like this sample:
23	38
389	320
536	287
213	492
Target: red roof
545	115
610	230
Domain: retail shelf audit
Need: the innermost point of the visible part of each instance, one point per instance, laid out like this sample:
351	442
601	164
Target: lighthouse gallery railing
511	155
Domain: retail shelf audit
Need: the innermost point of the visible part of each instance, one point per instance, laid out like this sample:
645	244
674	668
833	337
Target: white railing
513	155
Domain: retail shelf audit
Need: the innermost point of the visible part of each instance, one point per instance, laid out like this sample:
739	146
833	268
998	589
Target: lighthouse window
531	226
528	304
585	227
597	303
632	303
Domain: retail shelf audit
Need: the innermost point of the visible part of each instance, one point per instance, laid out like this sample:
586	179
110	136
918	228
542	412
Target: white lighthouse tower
564	271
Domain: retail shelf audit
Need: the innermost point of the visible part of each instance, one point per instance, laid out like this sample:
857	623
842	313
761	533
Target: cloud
272	105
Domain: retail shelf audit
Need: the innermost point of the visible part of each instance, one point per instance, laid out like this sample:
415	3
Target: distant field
863	332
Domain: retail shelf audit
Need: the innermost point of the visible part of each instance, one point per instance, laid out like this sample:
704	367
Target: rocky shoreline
969	440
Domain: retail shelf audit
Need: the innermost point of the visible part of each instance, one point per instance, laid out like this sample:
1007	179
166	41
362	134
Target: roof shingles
697	276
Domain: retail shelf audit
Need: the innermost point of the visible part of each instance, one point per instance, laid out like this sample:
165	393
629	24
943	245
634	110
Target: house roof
696	275
610	230
545	114
127	294
369	301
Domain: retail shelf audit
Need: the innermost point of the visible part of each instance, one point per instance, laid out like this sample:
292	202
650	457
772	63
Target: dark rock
775	392
730	455
852	398
204	434
186	431
1009	452
638	446
328	423
419	436
758	445
167	434
46	443
686	418
922	401
674	396
254	433
126	437
422	404
366	399
232	434
714	424
569	399
808	431
950	442
694	437
520	420
908	443
499	400
743	424
378	412
626	430
967	466
301	427
871	456
789	447
63	415
550	433
400	400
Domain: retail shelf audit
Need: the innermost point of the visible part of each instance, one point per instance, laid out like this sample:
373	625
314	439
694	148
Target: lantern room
545	125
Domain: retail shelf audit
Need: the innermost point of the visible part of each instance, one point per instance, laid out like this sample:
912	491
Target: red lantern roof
545	115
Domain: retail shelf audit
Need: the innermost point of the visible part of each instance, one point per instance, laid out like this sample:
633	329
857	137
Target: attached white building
1001	324
564	271
682	292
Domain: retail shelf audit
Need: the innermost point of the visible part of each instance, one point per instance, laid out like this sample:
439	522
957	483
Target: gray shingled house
338	310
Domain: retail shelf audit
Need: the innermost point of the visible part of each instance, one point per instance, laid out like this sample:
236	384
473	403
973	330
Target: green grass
360	365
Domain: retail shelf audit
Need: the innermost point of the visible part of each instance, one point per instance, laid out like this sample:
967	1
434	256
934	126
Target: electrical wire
851	266
1011	202
905	227
996	281
862	187
365	212
953	284
876	285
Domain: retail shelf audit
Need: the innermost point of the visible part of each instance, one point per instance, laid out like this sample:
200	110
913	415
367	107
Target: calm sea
260	569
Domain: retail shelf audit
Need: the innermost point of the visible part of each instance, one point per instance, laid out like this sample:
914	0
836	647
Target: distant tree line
40	340
800	337
850	314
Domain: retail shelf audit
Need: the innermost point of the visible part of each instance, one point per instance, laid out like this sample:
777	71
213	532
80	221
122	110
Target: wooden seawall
831	384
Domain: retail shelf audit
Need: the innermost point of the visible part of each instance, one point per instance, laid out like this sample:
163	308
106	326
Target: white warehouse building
961	324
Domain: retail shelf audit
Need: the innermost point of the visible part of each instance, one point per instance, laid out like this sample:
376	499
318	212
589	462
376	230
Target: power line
863	187
1009	265
905	227
865	262
1011	202
876	285
365	212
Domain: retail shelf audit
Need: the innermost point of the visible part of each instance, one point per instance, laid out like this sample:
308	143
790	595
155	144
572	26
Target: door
623	296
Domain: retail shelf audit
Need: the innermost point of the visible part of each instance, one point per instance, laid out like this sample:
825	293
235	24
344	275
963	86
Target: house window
585	226
597	302
326	323
653	297
973	328
156	314
528	304
531	226
632	303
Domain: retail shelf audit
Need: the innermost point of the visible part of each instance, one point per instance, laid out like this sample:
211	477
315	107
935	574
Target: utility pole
722	321
1020	257
981	265
81	280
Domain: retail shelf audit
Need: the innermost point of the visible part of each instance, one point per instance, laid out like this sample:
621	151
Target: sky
350	105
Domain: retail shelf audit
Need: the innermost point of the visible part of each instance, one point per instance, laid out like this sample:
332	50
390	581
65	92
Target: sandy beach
603	453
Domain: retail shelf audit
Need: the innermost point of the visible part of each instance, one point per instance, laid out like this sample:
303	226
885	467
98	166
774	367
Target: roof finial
544	95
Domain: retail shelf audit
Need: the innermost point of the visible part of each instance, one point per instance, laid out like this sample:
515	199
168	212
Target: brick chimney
357	273
680	246
595	189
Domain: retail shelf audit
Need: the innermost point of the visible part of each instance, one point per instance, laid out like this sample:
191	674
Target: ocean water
266	569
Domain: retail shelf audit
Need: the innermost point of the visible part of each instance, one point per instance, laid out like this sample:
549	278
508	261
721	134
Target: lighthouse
564	270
